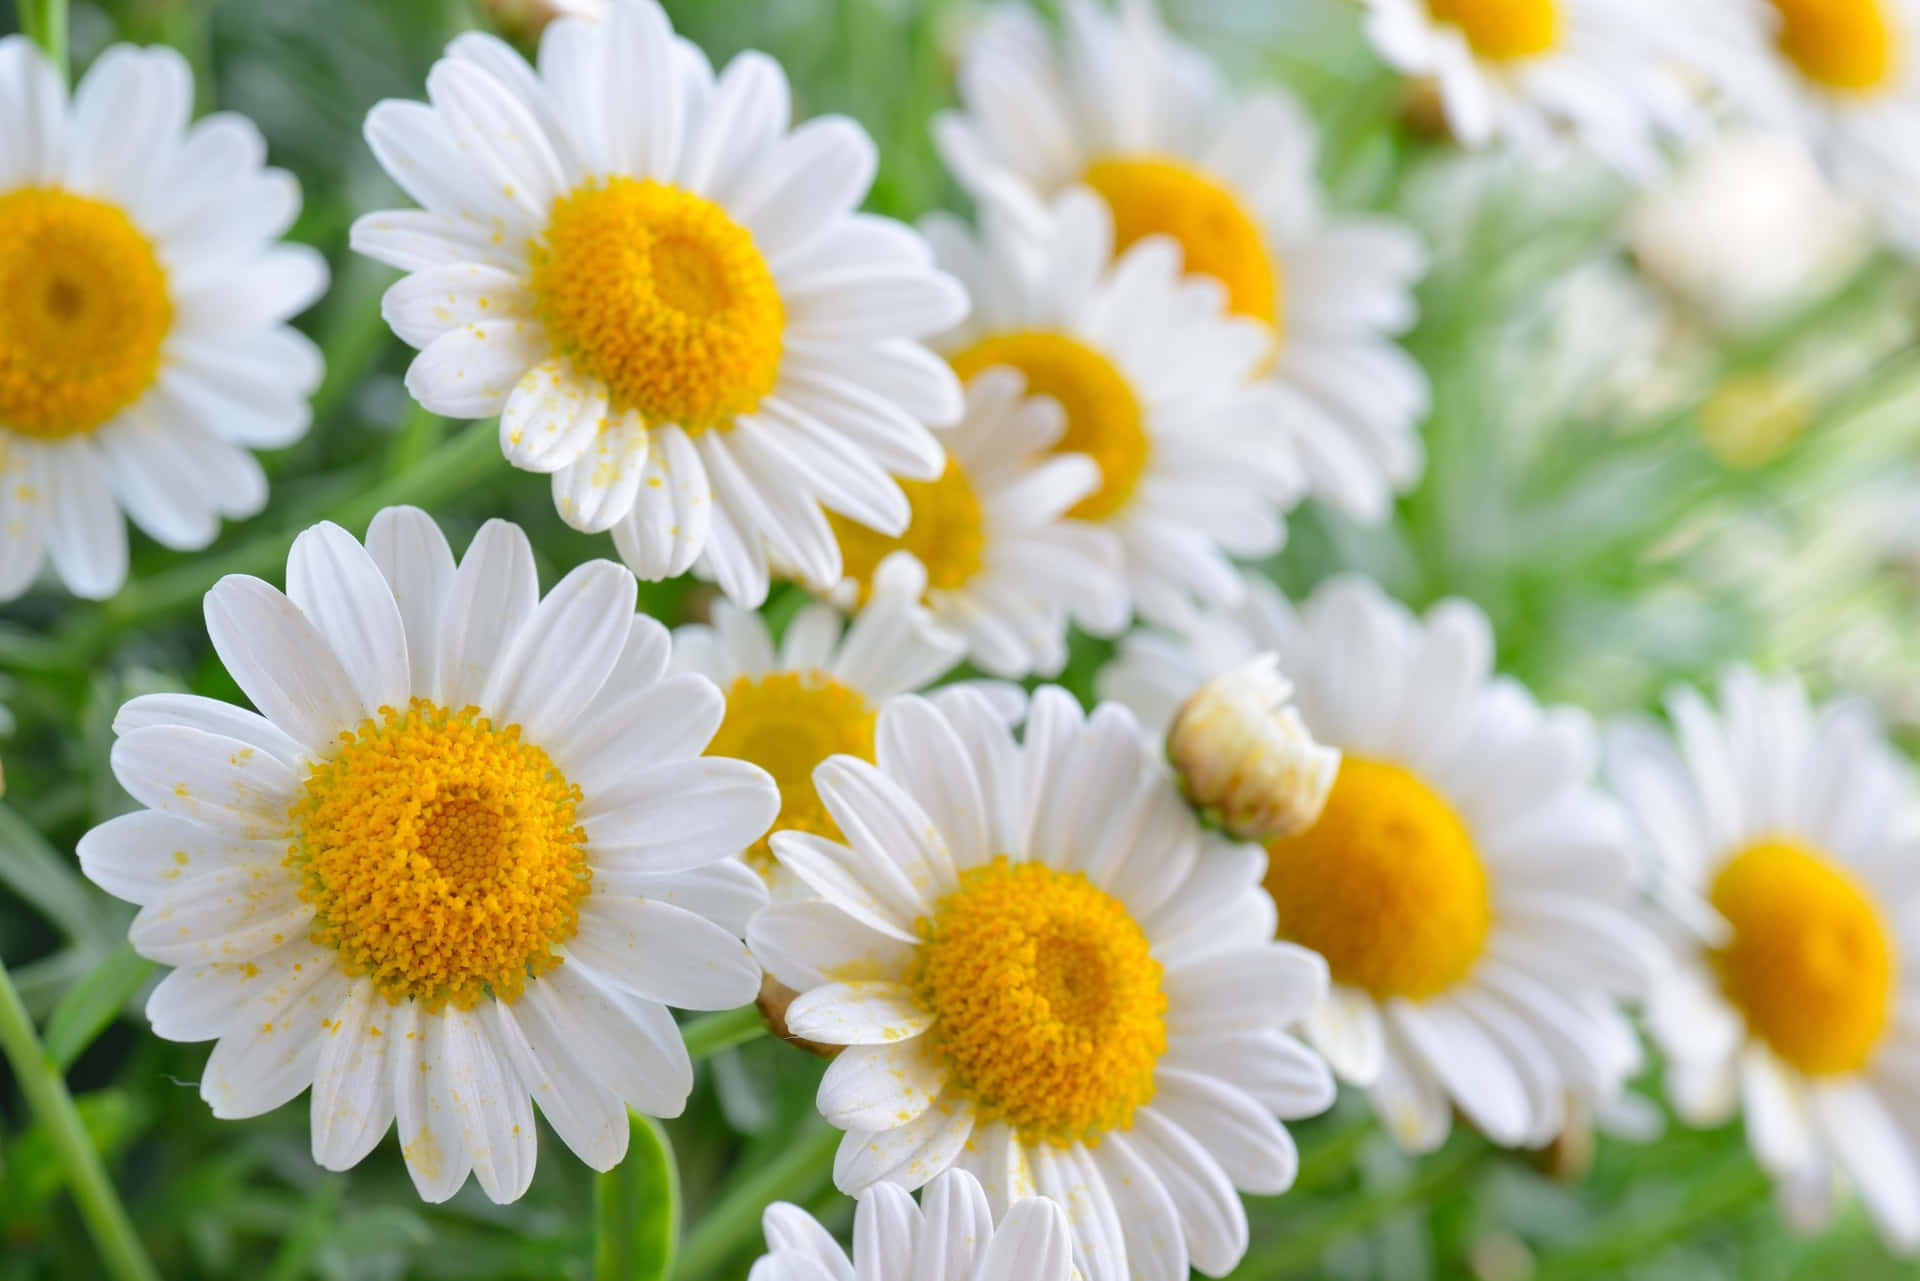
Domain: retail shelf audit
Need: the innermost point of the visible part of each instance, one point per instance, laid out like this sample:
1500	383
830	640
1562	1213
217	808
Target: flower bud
1245	757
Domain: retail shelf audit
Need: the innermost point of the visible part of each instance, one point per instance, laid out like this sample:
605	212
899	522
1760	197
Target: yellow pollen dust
1046	999
1154	195
787	723
84	311
1502	30
947	534
1386	885
1811	963
661	296
1104	419
1846	45
441	856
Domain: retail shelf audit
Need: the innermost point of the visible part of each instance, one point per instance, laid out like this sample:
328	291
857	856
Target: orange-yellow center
1046	999
1104	418
661	296
84	311
947	533
787	723
1502	30
1811	962
1386	885
441	856
1848	45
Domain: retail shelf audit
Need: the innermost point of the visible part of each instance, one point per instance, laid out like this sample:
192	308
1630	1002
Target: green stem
712	1033
1636	1236
45	22
1331	1154
733	1220
46	1094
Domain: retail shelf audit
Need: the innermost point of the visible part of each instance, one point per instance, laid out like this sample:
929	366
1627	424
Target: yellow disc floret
1154	195
787	723
1811	963
441	856
1847	45
661	296
1386	885
947	533
1046	999
1502	30
1104	419
84	311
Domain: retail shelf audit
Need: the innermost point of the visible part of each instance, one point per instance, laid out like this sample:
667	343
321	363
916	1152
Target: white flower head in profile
144	299
462	859
666	294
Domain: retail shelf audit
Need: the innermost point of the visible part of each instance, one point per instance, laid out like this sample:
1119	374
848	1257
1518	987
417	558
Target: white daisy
949	1236
1151	374
665	294
1146	121
144	296
461	862
991	547
1470	889
1782	834
1048	974
1540	73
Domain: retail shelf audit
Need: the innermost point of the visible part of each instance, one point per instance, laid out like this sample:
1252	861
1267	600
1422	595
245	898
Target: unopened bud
1244	755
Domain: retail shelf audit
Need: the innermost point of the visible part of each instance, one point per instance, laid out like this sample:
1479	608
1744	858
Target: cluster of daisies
476	842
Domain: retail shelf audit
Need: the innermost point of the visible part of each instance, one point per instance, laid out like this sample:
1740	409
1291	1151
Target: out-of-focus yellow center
1847	45
787	723
1811	963
1386	885
84	310
1046	998
661	296
1753	417
947	534
441	856
1104	419
1502	30
1218	237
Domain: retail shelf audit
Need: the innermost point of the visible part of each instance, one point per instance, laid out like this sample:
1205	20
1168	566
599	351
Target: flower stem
45	22
46	1094
733	1220
709	1034
1637	1236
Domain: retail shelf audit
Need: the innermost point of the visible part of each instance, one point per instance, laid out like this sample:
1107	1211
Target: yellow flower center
947	533
1046	1000
1104	419
1811	963
1386	885
83	312
1754	417
1848	45
1502	30
441	856
787	723
1218	237
661	296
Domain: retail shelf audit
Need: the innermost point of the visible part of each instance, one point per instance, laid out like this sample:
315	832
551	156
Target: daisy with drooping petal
991	545
949	1236
1469	888
665	294
1778	830
144	348
460	862
1146	122
1151	375
1046	973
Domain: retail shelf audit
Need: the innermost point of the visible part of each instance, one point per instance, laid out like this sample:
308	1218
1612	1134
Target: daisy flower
144	296
1778	831
949	1236
1146	121
665	294
1047	973
461	861
818	693
1151	375
1469	888
991	546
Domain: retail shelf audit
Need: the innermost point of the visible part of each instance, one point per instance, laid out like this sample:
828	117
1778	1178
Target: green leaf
637	1209
92	1003
51	881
